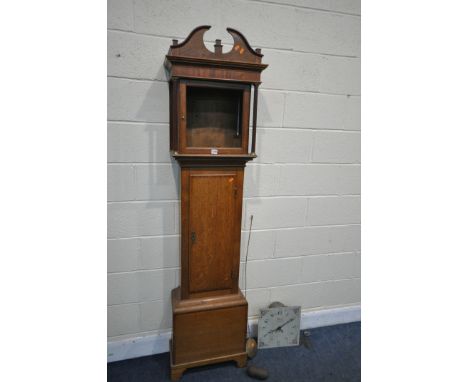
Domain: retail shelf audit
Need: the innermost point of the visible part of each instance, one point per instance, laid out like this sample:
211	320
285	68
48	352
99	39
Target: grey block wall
304	188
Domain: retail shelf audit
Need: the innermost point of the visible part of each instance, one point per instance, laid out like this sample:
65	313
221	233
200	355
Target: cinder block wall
304	188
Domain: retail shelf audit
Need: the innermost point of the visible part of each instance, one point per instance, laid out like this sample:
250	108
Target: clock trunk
211	218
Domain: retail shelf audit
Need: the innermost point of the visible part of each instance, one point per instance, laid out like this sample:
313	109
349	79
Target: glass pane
214	117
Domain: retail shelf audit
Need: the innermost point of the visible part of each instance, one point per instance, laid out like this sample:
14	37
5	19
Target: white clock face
279	327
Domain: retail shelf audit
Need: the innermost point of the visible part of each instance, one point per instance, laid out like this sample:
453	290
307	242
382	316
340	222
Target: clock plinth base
178	370
207	330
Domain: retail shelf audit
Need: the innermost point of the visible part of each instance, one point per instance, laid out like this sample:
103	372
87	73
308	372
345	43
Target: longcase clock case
210	97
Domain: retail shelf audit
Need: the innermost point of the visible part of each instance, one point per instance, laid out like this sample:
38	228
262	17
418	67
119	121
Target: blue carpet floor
329	354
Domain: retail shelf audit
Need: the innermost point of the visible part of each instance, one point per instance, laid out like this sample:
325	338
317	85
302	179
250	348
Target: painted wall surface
304	187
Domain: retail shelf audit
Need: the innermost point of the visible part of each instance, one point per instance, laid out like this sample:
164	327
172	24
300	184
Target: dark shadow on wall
161	205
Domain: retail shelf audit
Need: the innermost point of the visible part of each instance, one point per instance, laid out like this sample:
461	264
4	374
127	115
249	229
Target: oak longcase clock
210	97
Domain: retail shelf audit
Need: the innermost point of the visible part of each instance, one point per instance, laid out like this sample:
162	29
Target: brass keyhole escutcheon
193	237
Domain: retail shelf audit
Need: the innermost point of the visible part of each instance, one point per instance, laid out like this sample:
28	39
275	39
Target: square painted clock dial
279	327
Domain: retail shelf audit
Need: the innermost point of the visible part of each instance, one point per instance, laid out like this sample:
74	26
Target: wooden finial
218	47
